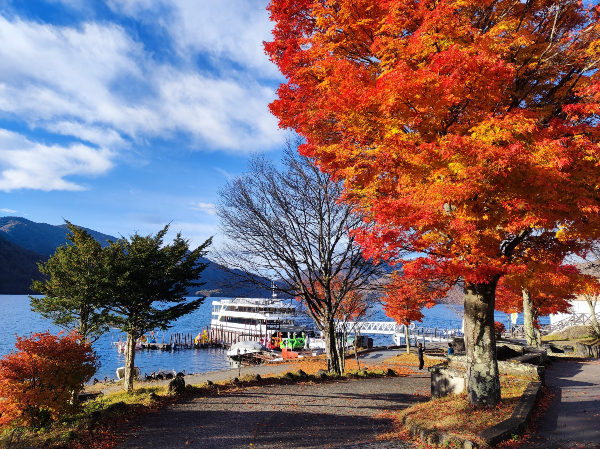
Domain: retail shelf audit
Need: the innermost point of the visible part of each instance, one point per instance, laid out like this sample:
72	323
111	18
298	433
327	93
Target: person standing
450	349
420	355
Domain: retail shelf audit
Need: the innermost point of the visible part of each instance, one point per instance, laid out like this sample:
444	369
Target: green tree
149	282
76	287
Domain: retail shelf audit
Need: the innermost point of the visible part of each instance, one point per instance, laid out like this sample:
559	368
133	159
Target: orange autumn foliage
551	288
461	128
38	381
459	125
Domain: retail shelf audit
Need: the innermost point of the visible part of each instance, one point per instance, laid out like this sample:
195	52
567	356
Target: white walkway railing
391	328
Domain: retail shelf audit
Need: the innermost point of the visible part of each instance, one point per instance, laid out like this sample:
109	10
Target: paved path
573	418
330	414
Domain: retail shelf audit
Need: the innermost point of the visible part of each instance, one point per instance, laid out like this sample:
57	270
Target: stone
301	374
445	381
588	350
177	386
322	374
117	408
95	416
458	344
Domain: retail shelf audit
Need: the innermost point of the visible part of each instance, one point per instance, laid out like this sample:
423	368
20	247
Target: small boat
245	347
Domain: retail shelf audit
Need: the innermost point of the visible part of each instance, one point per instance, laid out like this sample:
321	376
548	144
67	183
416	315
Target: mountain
41	238
18	266
23	243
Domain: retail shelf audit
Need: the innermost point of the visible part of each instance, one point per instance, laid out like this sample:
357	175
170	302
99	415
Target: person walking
450	349
420	355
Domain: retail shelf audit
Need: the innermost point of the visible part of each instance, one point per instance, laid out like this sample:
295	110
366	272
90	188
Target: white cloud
225	173
209	208
97	84
8	211
29	165
224	30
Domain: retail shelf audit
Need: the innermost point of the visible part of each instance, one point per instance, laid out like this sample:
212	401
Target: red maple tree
39	382
461	128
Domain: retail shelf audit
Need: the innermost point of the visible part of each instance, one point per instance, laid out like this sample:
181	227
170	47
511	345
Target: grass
454	414
78	431
410	360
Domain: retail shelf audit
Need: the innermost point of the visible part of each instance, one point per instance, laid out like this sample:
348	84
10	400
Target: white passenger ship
252	319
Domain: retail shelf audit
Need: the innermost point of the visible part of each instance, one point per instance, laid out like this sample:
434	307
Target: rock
177	386
95	416
117	408
588	350
458	344
301	374
322	374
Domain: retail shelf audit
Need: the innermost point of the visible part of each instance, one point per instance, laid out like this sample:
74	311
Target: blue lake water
16	317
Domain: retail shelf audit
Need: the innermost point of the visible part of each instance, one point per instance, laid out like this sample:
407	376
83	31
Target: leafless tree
288	223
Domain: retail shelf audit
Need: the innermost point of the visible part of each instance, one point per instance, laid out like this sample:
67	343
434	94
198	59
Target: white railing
390	328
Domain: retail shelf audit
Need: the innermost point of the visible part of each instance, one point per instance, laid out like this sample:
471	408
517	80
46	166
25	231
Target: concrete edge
519	419
492	436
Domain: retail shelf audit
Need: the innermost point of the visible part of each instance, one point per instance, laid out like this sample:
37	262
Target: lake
17	318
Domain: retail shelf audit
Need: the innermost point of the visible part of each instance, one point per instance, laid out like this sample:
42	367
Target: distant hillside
41	238
18	266
24	242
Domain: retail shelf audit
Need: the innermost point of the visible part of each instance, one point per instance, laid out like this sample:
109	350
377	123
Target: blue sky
124	115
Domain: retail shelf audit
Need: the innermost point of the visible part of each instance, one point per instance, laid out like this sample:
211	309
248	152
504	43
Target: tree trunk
130	362
483	378
407	338
333	360
595	325
528	319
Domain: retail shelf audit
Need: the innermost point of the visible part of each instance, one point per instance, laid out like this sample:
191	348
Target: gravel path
331	414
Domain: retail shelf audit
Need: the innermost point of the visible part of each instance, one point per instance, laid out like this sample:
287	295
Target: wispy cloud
209	208
29	165
8	211
104	88
225	173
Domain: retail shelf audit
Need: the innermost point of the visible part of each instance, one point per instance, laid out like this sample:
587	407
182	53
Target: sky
125	115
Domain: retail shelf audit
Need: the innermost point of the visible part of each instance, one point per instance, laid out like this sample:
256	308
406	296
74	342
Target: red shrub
499	328
39	380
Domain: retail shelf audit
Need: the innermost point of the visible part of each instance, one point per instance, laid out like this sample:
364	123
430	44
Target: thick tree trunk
483	378
333	360
407	339
528	319
130	362
595	325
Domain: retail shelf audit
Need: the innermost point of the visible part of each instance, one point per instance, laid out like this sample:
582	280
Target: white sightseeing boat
254	319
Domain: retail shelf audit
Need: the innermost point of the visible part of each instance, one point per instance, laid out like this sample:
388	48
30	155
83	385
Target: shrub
499	328
40	381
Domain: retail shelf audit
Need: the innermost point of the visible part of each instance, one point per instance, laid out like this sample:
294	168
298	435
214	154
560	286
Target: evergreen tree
149	282
76	287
